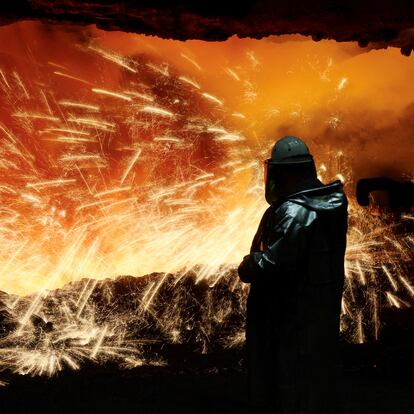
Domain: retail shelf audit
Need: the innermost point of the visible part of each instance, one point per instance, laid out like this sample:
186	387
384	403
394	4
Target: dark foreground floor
367	389
377	379
139	392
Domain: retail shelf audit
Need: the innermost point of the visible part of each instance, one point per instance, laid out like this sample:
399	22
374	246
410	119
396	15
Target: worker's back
294	303
319	306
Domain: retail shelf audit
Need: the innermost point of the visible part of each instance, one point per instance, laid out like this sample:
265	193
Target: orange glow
126	154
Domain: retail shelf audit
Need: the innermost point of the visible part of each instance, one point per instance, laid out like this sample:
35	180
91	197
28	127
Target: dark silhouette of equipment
400	194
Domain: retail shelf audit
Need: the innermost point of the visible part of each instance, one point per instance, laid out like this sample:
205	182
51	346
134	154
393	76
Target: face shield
265	172
270	181
281	179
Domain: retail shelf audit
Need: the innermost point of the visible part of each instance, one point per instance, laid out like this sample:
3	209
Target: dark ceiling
378	24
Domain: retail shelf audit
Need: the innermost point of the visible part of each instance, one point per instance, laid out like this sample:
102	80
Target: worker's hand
246	269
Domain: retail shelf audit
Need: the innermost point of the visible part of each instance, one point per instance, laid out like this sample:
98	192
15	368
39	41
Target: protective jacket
296	271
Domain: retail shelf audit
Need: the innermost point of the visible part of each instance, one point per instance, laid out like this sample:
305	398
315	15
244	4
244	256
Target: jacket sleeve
255	247
287	248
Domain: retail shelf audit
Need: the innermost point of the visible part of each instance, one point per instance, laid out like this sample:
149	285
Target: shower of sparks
120	185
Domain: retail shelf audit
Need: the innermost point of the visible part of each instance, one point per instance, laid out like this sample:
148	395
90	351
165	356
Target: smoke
378	143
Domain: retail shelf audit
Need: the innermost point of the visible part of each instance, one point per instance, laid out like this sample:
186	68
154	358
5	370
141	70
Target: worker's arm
255	247
286	250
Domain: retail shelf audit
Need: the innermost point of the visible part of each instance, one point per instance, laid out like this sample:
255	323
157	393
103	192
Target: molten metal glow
122	154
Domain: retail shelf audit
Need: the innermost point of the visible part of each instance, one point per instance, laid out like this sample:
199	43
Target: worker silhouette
296	273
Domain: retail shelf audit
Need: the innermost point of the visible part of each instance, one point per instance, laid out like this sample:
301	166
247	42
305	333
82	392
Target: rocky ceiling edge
375	23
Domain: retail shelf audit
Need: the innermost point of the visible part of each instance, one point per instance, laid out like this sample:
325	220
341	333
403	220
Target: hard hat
290	150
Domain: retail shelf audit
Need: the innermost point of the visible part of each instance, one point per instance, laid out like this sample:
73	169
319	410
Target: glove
246	269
